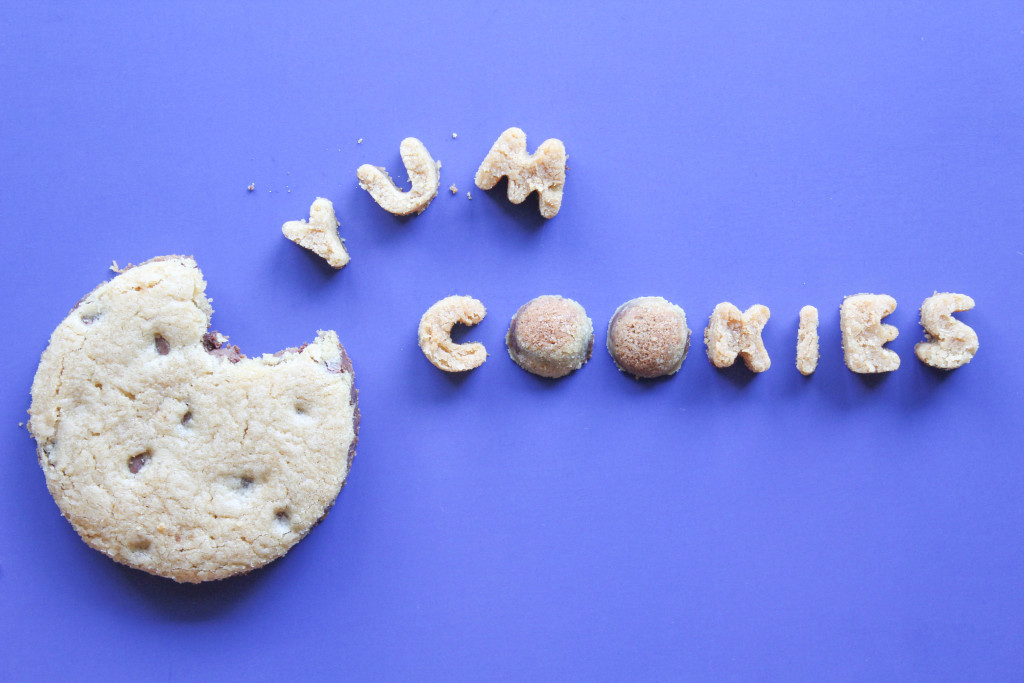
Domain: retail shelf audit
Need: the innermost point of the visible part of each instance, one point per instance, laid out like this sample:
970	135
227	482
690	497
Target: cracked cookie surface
170	451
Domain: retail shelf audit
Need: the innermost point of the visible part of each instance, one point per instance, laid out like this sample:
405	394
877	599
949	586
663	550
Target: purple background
715	525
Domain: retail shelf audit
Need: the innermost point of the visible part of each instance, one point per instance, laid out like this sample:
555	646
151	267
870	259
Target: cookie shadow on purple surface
287	259
195	601
527	214
872	381
737	374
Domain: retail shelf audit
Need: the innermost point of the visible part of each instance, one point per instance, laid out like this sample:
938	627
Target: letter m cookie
543	171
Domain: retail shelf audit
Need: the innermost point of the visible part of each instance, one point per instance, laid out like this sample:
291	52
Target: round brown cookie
170	451
550	336
648	337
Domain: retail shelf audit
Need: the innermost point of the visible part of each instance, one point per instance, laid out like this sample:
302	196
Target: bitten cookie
550	336
173	453
648	337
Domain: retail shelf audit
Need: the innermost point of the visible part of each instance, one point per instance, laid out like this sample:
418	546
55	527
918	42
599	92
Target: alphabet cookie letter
435	334
320	234
950	343
543	171
807	352
860	318
424	173
731	333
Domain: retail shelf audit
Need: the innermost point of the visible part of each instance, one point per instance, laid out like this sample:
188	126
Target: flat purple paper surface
713	525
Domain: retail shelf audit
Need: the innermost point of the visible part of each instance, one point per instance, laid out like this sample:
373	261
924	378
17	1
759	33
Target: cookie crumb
455	135
114	268
453	189
469	196
21	424
358	142
252	186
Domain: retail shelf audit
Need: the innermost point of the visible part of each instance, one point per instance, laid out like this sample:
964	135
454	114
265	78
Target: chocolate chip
210	341
346	362
245	481
162	347
283	519
139	545
186	418
232	353
216	348
136	462
47	453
